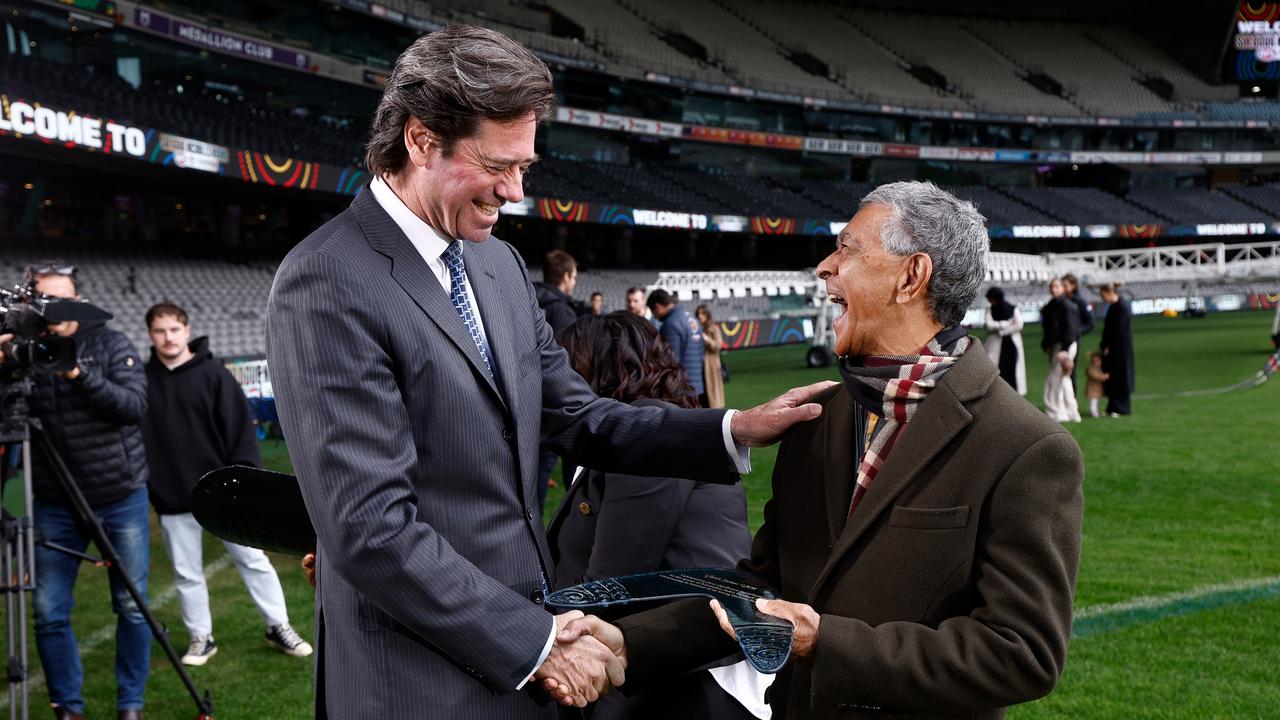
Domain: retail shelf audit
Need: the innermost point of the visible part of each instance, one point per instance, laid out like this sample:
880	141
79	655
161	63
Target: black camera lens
51	353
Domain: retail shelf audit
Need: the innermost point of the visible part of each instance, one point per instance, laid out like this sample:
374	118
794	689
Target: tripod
18	562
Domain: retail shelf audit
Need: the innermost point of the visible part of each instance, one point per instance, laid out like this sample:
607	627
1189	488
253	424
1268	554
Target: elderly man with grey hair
924	533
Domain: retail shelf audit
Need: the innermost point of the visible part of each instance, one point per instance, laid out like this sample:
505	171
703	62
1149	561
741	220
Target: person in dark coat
555	297
90	413
1117	351
199	420
555	292
924	532
612	524
683	333
1071	286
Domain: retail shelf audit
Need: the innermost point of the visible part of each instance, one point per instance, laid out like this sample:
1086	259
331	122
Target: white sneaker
285	639
201	649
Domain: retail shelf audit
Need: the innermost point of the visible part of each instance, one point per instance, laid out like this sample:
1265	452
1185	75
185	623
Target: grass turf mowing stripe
1096	619
35	680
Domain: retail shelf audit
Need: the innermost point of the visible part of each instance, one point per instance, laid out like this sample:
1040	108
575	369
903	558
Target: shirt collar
429	242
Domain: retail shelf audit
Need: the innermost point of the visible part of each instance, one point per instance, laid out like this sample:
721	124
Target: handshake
587	660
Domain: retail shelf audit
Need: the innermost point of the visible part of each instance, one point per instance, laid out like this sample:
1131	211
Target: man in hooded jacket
198	420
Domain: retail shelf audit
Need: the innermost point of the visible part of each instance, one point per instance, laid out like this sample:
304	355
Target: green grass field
1183	497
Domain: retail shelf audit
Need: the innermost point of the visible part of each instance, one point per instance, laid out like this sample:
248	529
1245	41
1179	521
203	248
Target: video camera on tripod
27	316
32	346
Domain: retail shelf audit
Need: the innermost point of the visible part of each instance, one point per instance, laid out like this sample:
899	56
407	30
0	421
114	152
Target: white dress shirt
431	244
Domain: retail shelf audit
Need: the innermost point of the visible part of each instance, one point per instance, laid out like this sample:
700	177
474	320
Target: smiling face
863	281
459	193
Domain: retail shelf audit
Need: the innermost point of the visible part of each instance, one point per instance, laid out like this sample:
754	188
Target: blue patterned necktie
452	257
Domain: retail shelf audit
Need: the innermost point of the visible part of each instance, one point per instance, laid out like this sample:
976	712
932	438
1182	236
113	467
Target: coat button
584	508
537	596
507	434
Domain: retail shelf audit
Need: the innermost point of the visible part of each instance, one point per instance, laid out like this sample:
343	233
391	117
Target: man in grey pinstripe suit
415	376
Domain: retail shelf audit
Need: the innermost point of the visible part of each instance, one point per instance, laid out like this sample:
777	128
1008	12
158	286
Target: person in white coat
1004	340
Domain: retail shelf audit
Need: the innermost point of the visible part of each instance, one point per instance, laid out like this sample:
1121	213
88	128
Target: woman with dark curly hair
613	524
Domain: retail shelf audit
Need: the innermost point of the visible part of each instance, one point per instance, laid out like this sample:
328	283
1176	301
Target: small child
1093	390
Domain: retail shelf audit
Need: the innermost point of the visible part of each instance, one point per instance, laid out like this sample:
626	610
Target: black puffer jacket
93	420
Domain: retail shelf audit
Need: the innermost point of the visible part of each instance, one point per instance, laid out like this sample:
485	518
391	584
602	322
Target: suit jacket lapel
497	324
411	272
837	460
938	420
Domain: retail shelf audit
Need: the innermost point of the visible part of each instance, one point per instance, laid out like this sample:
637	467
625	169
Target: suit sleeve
339	400
610	436
116	388
1010	649
235	422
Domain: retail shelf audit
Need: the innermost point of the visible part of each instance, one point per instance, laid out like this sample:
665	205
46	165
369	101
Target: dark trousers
1119	404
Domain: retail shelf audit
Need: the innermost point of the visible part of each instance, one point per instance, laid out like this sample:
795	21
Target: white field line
1148	602
35	679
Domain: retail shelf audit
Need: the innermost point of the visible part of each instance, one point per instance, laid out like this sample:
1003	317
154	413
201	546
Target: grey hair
927	219
450	80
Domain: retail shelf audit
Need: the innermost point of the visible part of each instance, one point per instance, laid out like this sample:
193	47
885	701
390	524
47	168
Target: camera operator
91	414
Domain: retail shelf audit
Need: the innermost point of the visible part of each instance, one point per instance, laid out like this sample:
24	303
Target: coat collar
940	419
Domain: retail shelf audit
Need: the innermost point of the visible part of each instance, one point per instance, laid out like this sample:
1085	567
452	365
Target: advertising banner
218	40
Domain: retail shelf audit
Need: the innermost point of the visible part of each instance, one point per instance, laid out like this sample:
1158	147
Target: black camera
27	315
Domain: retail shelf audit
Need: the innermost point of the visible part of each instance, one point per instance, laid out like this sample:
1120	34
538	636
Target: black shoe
285	639
130	714
61	713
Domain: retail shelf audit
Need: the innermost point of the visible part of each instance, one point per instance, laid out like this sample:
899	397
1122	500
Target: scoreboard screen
1254	52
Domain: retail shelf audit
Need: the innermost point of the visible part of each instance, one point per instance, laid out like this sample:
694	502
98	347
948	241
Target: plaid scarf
891	387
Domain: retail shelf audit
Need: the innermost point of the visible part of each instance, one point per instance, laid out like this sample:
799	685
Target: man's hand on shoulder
589	657
763	424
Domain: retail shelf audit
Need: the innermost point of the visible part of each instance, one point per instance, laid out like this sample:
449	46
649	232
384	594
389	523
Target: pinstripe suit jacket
418	467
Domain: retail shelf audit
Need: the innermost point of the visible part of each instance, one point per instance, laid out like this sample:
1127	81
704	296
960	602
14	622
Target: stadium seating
1094	80
1259	196
734	45
989	80
1082	206
1002	209
226	301
629	42
1189	206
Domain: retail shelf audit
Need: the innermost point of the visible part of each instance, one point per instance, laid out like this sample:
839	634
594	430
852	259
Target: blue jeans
126	528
